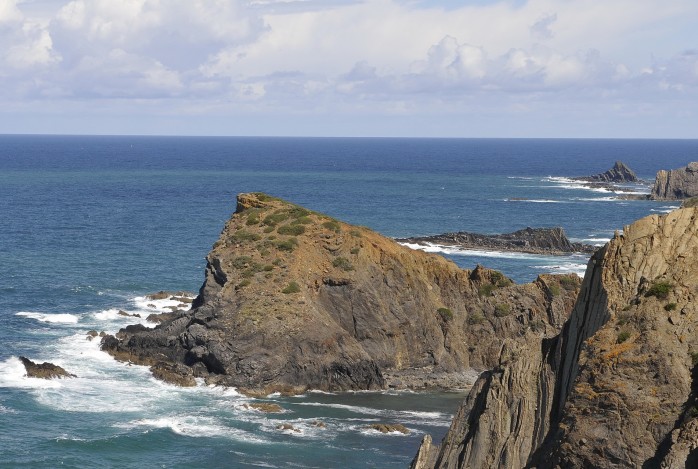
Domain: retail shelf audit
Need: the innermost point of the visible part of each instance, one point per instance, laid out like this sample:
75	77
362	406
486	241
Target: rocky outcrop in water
619	173
294	299
44	370
551	241
616	388
676	184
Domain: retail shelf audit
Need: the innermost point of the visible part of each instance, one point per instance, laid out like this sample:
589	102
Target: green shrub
268	268
476	317
554	290
242	236
298	212
342	263
445	313
660	290
486	289
292	230
354	251
355	233
275	218
537	325
569	283
277	262
332	225
501	310
241	262
670	306
252	219
291	288
243	283
622	337
302	221
286	245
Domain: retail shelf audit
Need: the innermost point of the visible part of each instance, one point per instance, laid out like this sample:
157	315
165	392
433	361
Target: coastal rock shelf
616	388
529	240
294	299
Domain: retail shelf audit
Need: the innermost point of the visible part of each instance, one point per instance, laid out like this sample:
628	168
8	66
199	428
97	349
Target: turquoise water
91	224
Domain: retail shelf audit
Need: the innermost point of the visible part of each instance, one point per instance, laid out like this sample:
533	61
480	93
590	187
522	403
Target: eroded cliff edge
616	388
294	299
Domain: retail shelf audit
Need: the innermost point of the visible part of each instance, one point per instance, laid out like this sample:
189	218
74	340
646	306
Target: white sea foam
455	251
14	375
665	209
195	426
55	318
564	268
536	201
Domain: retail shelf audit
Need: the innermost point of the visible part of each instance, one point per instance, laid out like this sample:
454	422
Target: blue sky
442	68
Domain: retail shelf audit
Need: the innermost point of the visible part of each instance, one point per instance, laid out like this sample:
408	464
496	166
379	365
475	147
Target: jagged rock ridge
616	388
676	184
294	299
529	240
619	173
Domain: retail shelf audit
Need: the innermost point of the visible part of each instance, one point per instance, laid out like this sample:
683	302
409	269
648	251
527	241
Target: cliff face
616	387
294	300
676	184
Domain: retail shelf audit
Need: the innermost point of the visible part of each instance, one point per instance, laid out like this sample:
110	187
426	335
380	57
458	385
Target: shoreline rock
44	370
619	173
550	241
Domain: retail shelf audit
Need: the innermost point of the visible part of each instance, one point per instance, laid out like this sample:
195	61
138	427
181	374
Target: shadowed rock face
617	387
294	299
676	184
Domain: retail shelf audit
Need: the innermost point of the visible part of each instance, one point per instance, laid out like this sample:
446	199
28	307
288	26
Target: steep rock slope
294	299
675	184
616	387
619	173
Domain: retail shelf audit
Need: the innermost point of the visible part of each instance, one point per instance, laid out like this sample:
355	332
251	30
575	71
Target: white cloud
374	56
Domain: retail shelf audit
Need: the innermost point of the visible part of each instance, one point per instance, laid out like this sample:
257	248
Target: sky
412	68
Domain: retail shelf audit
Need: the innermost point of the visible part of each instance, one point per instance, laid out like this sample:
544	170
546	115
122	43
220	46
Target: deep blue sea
89	225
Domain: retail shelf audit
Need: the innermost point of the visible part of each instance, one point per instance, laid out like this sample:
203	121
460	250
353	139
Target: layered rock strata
616	388
619	173
294	299
549	241
676	184
44	370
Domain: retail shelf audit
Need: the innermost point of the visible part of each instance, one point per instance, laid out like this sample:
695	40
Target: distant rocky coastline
551	241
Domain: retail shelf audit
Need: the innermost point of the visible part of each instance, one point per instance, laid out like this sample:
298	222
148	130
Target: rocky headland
616	387
676	184
294	299
551	241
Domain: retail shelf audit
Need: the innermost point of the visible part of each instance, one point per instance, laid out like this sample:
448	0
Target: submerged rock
44	370
389	428
296	300
616	387
676	184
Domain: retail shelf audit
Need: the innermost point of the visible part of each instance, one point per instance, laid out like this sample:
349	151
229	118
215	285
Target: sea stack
616	388
619	173
676	184
294	299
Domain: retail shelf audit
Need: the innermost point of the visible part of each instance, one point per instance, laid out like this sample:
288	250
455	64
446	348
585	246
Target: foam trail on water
55	318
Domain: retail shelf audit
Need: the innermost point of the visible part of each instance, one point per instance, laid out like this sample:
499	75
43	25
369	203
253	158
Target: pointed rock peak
620	172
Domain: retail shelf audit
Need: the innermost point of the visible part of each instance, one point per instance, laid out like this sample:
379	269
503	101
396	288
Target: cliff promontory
676	184
616	388
293	299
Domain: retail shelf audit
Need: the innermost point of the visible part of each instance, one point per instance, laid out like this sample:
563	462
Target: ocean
91	224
